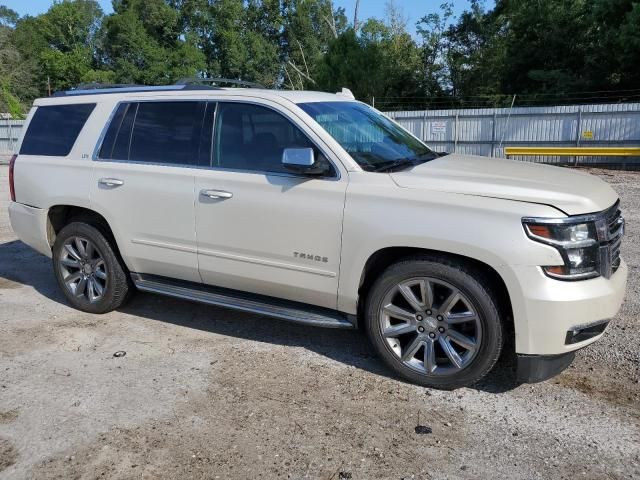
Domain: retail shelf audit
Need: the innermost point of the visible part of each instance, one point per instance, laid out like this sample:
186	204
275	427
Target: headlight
577	243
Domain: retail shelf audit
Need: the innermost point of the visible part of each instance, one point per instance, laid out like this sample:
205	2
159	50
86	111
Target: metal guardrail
574	151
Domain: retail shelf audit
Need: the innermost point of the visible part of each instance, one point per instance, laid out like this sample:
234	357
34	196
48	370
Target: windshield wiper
394	164
405	162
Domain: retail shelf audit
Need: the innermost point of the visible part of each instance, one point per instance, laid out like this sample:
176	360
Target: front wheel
435	322
88	271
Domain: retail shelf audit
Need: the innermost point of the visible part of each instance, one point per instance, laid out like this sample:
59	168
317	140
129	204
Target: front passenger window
251	137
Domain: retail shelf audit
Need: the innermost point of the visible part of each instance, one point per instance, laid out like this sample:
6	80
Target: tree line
544	51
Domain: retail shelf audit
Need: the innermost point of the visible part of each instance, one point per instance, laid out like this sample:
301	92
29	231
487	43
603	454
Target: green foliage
614	55
143	42
9	103
547	49
16	76
382	61
309	28
245	41
61	42
476	53
8	17
350	62
544	51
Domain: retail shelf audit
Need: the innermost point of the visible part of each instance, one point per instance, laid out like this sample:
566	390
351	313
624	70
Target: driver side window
251	137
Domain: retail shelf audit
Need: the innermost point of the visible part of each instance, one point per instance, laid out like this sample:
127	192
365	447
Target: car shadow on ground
20	265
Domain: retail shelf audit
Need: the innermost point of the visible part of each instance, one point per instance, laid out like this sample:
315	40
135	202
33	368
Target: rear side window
115	145
157	132
54	129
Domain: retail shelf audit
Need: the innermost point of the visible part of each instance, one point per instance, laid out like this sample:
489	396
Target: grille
611	230
616	230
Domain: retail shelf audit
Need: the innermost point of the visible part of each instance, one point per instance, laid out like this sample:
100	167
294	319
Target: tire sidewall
481	299
92	234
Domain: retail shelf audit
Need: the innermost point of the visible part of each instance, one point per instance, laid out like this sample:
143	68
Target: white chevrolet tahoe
318	209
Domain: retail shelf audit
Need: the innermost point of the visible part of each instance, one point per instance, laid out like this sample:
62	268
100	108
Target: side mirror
302	160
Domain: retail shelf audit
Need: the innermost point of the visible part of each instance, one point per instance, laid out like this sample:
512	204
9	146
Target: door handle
217	194
111	182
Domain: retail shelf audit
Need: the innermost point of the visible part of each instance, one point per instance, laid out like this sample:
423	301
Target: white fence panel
9	134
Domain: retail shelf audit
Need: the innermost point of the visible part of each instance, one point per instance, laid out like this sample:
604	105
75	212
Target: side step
246	302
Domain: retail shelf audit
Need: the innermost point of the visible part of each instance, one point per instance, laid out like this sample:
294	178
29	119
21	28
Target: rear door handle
217	194
111	182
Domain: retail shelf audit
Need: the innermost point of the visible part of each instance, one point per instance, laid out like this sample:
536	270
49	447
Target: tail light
12	188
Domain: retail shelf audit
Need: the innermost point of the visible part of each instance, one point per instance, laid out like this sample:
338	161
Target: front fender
487	230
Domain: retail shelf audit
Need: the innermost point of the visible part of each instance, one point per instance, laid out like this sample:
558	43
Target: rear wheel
435	322
90	274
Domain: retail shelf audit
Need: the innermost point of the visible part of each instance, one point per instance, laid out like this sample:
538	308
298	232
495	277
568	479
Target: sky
412	9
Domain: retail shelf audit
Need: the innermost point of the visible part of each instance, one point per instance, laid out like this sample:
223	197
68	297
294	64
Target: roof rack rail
183	84
97	85
231	81
116	88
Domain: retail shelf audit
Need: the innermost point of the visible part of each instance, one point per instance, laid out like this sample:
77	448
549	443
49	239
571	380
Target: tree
61	42
8	17
613	49
380	61
16	74
476	54
538	57
350	63
432	28
544	51
144	42
401	58
309	28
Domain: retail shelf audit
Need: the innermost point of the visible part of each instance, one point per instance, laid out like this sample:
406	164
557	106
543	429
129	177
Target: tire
91	275
446	342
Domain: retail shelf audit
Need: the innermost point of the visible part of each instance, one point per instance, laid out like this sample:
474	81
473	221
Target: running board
246	302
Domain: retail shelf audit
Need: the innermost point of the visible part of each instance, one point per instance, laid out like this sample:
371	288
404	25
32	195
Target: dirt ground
208	393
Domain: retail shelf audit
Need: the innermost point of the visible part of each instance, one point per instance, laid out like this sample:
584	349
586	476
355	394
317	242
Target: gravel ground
208	393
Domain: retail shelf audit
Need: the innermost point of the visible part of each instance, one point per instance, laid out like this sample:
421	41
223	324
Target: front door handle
111	182
217	194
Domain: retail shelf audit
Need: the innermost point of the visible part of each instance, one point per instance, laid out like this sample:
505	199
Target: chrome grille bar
610	228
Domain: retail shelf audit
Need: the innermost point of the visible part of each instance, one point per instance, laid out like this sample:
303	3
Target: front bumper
554	317
537	368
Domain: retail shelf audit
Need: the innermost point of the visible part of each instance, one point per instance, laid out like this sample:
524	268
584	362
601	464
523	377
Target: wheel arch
58	216
378	261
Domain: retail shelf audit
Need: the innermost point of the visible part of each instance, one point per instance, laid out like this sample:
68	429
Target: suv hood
571	191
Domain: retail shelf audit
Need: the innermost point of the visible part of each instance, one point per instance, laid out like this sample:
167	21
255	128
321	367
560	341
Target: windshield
374	141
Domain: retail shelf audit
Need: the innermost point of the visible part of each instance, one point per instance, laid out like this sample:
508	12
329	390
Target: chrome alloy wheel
83	269
431	326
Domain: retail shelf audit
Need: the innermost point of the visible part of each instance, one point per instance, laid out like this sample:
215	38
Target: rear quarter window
54	129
